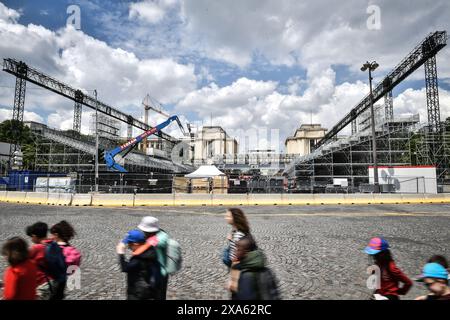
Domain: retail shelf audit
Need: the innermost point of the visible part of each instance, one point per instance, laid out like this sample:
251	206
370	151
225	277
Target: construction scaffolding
433	148
106	127
69	151
350	157
399	141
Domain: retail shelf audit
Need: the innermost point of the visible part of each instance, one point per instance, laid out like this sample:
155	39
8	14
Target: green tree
13	131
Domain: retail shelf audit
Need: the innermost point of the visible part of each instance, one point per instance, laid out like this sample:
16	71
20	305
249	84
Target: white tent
205	172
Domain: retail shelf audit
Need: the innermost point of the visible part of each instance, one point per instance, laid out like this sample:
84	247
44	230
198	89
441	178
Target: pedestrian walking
62	233
442	261
239	229
435	277
20	276
390	275
168	250
49	260
142	269
250	279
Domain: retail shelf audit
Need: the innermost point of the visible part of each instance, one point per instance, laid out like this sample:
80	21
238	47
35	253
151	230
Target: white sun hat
149	224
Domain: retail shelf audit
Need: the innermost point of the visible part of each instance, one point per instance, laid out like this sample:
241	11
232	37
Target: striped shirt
235	237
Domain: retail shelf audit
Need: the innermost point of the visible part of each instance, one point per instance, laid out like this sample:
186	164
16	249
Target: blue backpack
226	256
56	262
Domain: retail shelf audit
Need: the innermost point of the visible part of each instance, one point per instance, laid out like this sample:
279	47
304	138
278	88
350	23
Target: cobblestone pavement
315	251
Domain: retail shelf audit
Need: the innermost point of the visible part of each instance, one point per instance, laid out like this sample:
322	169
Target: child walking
393	281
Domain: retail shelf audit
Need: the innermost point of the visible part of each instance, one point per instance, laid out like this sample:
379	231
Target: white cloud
414	102
152	11
121	78
6	114
320	33
8	14
254	105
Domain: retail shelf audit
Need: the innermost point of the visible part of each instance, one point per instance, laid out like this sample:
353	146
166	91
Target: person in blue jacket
142	269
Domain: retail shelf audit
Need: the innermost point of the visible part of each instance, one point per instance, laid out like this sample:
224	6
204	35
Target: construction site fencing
161	183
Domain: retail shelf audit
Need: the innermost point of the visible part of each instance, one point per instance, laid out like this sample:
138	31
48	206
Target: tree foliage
13	131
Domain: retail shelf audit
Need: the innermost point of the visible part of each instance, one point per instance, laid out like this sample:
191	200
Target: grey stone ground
315	251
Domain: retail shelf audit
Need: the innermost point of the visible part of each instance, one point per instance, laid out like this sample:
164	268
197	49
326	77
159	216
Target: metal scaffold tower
427	49
77	109
401	141
112	118
27	73
389	106
19	104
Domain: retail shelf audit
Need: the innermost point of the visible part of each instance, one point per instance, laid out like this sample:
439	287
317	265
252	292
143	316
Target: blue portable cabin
24	180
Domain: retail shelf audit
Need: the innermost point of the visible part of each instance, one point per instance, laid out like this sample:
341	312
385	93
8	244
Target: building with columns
304	138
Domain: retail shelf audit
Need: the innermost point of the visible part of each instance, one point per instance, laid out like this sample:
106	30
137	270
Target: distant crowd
149	256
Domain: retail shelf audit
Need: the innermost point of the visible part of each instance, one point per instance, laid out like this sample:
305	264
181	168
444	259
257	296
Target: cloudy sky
245	65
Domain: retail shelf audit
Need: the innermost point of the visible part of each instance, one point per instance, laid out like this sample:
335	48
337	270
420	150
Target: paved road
315	251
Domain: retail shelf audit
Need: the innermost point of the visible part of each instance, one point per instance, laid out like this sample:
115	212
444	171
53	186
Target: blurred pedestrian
20	276
239	229
142	269
439	259
62	233
250	279
168	251
435	277
48	258
390	275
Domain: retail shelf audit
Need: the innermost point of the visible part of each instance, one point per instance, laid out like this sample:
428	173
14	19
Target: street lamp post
371	66
96	141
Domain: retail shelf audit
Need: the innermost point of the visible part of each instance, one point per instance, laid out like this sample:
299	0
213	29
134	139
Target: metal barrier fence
162	183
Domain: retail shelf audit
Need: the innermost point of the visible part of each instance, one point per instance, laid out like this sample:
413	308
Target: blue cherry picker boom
127	147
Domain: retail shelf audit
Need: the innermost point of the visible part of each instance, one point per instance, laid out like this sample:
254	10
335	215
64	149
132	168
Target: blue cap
376	245
433	270
134	236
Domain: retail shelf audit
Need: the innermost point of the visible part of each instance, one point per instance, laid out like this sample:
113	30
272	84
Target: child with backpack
168	250
20	277
143	272
62	233
390	275
44	258
250	279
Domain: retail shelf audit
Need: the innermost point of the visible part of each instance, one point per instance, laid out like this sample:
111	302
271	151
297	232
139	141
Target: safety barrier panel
298	199
230	200
387	198
446	197
184	199
113	200
435	198
187	199
329	199
264	199
3	195
81	199
363	198
412	198
36	197
65	199
53	199
159	199
16	196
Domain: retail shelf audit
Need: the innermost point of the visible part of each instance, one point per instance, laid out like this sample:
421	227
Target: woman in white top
240	228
